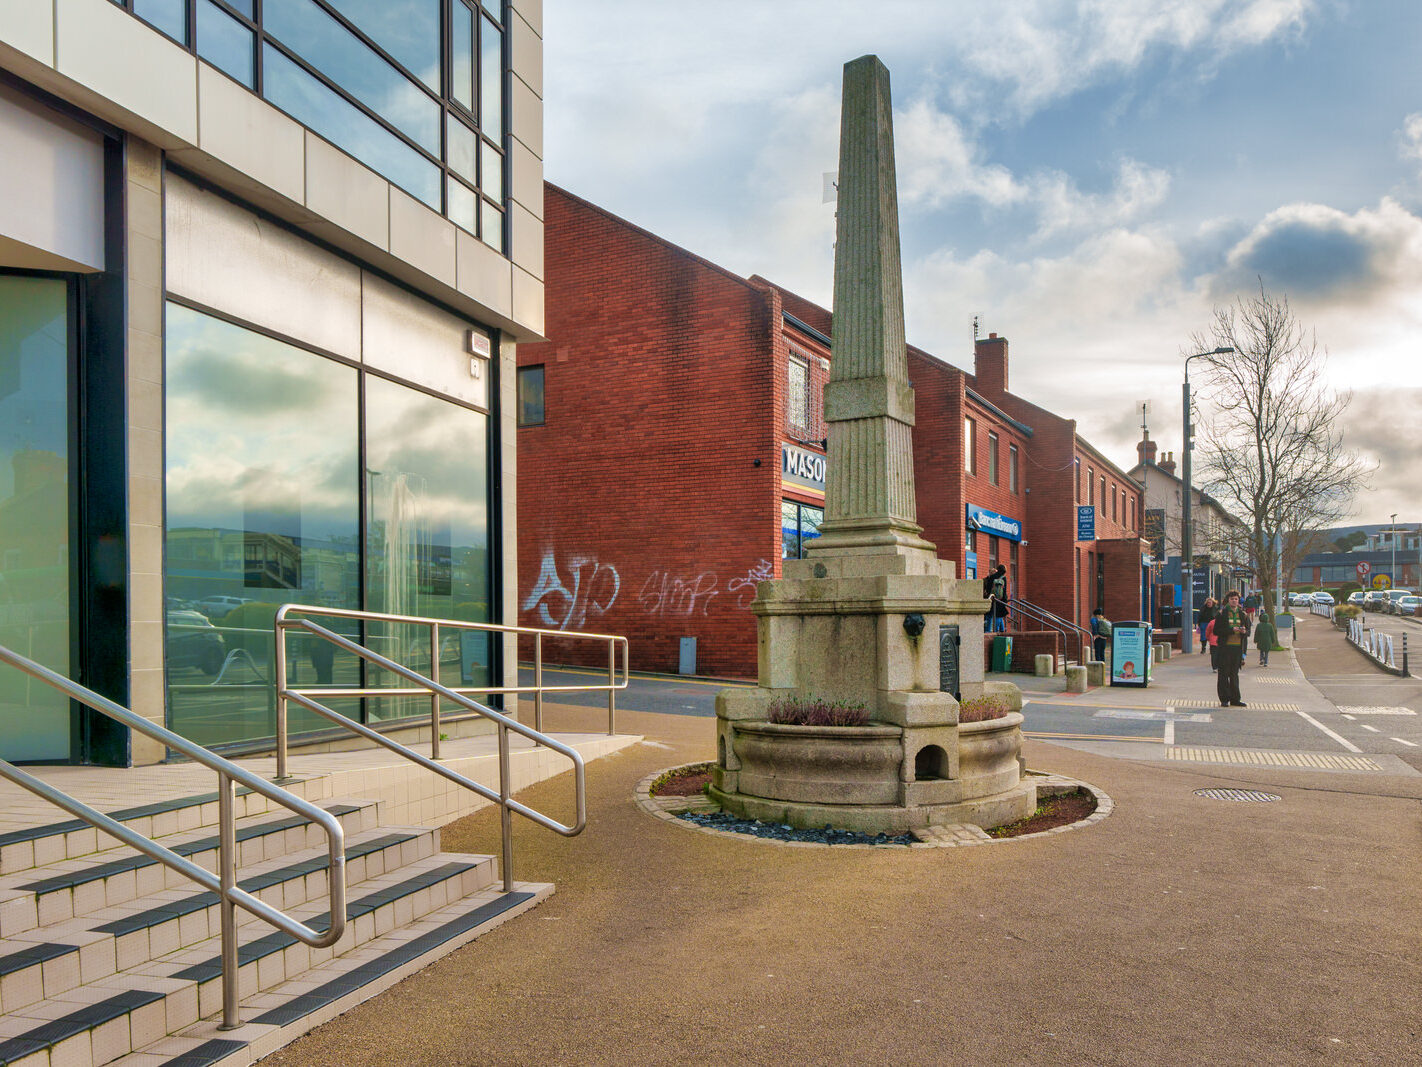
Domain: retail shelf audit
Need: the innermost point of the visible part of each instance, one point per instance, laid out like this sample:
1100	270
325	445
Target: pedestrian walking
1100	634
1231	630
995	592
1214	644
1207	612
1265	636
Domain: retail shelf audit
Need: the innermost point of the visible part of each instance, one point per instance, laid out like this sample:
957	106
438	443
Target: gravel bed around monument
727	823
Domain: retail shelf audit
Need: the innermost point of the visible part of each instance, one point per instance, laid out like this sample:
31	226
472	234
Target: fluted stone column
869	491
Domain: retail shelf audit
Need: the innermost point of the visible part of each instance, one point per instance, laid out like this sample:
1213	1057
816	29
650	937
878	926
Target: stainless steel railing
1065	627
224	883
295	617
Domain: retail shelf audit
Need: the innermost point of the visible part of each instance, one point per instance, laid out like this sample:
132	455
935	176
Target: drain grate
1252	795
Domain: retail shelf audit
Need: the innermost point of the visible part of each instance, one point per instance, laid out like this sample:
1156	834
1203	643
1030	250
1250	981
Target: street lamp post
1392	537
1187	533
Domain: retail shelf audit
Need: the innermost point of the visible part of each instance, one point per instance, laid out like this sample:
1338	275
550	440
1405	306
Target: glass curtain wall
264	487
427	537
263	509
35	720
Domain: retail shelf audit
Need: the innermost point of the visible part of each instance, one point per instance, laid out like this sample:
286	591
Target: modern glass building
263	269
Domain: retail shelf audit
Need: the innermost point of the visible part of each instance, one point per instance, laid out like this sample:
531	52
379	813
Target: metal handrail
614	642
224	883
1063	626
507	805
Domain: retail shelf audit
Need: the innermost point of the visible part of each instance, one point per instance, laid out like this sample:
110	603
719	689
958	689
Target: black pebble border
730	824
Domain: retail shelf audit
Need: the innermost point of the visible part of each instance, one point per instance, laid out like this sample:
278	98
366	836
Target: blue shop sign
1086	522
993	523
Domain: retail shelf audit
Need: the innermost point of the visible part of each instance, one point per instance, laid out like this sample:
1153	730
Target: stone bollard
1165	649
1044	666
1095	672
1076	679
1157	653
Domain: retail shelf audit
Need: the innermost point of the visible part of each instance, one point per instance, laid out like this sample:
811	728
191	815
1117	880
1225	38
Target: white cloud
1411	136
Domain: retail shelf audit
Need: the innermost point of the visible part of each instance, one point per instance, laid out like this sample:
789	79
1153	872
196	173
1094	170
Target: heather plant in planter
816	711
981	709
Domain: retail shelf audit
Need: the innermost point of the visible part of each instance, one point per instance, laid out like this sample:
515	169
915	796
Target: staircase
107	956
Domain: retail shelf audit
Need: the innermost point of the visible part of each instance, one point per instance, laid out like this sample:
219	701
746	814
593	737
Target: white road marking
1404	741
1351	718
1341	740
1374	729
1169	737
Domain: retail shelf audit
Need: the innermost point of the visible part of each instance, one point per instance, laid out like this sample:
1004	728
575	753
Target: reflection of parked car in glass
214	607
194	642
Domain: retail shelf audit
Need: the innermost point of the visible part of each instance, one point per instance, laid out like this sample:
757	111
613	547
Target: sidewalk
1179	930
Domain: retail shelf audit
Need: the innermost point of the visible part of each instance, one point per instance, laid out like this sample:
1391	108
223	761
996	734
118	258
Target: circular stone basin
819	764
988	755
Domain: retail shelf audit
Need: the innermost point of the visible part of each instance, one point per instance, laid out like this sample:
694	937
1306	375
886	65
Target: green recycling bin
1002	653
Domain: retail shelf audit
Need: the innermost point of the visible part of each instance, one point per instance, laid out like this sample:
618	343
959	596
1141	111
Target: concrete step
44	895
48	961
100	1021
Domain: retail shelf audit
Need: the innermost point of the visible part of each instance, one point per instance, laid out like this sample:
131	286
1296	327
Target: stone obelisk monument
862	618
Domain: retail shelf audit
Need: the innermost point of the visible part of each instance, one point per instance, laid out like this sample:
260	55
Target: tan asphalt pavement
1179	930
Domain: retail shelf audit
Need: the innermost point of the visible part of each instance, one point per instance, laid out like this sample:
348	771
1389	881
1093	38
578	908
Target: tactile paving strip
1253	705
1262	758
1370	709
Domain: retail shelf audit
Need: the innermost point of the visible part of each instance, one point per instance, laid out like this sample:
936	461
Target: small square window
530	396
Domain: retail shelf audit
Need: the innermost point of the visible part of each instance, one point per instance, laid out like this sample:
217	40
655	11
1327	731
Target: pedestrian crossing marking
1375	710
1262	758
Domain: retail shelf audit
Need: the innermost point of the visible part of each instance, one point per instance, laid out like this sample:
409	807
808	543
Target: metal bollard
1405	672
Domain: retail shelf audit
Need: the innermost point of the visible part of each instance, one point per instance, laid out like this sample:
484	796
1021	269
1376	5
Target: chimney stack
1168	463
990	364
1146	451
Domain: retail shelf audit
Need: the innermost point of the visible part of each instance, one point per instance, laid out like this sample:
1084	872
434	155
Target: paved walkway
1180	930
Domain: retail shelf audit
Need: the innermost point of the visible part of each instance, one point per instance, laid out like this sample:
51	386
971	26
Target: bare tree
1273	446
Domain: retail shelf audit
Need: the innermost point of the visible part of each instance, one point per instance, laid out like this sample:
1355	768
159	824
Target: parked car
214	607
194	642
1393	596
1322	597
1356	597
1374	599
1407	605
1299	600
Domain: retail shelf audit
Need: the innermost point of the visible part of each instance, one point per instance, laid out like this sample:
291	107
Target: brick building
672	452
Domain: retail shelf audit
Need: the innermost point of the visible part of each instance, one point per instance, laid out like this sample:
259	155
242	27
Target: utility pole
1187	533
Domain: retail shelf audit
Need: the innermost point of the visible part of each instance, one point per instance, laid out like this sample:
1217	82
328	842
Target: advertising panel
1130	654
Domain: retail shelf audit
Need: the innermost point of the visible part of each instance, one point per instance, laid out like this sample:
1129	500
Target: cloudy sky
1089	178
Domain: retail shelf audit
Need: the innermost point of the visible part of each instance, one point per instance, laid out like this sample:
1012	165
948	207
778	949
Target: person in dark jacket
1100	634
1231	627
1207	612
995	591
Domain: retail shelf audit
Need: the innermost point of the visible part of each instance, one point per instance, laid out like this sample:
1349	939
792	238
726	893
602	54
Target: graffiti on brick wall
663	593
590	588
763	571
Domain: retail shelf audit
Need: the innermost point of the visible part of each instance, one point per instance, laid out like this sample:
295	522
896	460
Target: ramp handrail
1064	626
285	622
224	882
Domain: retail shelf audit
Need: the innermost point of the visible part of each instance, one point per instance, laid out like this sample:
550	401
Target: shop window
1012	470
530	396
992	459
799	525
970	446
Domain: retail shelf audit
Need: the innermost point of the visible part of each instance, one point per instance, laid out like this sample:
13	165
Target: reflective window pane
461	48
491	80
224	42
243	7
34	513
493	172
493	231
333	50
170	16
789	530
409	31
463	150
530	396
463	205
427	541
309	102
262	510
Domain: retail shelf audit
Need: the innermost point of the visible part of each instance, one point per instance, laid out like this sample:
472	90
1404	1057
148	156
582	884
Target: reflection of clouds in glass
254	421
413	433
408	31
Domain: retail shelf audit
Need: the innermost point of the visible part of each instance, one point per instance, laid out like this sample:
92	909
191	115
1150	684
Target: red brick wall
1027	645
641	508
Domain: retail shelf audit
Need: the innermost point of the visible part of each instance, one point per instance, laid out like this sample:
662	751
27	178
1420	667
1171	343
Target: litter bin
1130	653
1002	653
